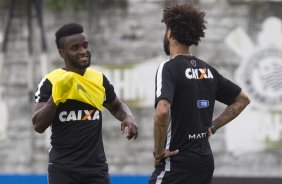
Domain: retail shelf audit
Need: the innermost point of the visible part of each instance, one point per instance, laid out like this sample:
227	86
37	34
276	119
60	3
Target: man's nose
82	50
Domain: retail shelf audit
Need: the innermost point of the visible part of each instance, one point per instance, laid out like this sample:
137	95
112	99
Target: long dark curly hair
186	22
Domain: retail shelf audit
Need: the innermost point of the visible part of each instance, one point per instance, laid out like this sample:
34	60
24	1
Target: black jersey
191	86
76	138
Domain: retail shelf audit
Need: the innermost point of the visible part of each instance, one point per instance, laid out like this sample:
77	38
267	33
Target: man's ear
62	53
169	35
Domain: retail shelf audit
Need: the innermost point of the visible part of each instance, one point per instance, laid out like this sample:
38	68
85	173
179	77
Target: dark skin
161	120
76	54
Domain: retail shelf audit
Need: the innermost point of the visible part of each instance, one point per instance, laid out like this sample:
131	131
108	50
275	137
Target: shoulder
94	75
55	74
202	64
165	65
93	71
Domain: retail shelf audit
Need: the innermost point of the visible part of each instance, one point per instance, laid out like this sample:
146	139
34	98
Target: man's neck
76	70
179	49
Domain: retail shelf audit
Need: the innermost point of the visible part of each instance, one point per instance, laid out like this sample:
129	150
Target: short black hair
186	22
67	30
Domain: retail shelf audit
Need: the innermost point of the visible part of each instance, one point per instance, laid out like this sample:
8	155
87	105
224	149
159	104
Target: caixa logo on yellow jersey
79	115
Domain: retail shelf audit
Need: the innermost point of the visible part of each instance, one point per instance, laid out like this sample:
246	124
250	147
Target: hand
209	133
131	125
166	155
62	87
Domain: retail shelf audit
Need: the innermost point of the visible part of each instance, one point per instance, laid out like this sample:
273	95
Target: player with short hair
185	95
70	101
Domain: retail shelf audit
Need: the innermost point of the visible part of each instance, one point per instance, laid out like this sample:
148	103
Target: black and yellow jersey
76	138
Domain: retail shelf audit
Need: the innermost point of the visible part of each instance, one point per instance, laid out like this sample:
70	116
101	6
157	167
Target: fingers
132	130
129	133
131	125
174	152
209	133
122	128
167	154
170	153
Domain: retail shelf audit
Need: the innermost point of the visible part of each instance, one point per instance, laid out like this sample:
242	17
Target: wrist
213	128
130	116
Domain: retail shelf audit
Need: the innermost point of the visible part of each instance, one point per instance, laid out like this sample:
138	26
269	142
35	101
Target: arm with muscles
230	112
43	115
161	121
121	111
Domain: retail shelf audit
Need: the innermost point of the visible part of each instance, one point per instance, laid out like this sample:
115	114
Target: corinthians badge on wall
260	72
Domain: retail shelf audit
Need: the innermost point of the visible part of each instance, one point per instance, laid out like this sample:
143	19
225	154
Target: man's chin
84	66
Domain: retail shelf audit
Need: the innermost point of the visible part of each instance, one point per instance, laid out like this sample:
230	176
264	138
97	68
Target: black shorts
64	177
192	175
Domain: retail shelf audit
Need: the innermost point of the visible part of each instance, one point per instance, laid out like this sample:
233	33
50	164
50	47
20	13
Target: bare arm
231	111
121	111
161	121
43	115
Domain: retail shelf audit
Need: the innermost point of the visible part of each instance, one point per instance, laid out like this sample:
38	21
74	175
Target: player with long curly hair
185	94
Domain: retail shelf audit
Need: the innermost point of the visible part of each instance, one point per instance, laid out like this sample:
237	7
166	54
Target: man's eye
74	48
85	46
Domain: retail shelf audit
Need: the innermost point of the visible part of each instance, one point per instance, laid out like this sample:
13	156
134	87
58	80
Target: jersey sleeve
164	83
227	91
110	94
43	91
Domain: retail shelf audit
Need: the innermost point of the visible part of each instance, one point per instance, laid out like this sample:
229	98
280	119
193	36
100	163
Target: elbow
163	113
36	126
38	129
163	110
245	99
